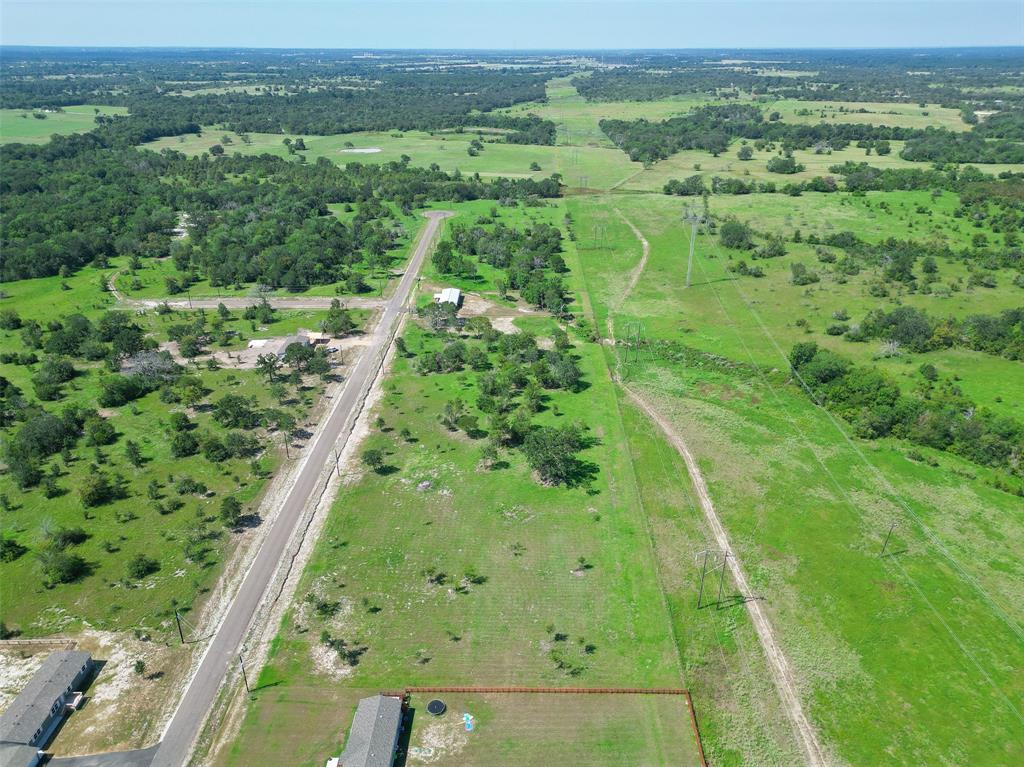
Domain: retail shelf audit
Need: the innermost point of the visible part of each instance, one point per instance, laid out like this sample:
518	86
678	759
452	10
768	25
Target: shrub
785	165
184	444
63	537
97	489
98	431
735	234
10	549
373	458
801	275
61	567
140	566
230	511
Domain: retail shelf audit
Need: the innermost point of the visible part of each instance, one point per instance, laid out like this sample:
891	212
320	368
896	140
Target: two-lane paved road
183	729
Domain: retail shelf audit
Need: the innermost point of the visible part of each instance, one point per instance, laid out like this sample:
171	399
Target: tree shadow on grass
249	521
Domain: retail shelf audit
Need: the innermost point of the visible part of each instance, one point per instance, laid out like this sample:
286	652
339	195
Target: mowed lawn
527	729
884	648
19	125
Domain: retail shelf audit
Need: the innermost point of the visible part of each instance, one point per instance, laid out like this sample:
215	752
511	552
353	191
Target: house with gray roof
19	755
374	733
33	716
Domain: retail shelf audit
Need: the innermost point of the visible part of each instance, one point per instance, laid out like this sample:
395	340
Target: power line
893	493
838	486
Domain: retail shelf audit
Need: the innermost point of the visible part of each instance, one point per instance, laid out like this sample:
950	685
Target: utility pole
337	462
695	221
177	618
245	679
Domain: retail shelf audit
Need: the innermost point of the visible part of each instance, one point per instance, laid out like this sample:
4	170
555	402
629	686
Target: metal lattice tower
695	220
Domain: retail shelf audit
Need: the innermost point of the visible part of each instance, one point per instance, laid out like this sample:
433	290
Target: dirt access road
179	738
239	302
782	674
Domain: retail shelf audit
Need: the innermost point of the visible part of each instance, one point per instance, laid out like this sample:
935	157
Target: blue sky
522	24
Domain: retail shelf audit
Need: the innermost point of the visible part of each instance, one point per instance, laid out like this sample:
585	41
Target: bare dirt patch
440	740
16	668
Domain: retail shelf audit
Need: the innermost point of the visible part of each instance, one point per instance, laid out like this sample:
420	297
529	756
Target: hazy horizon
528	25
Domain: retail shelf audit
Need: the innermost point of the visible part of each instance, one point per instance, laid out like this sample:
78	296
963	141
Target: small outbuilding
33	716
374	733
451	296
287	341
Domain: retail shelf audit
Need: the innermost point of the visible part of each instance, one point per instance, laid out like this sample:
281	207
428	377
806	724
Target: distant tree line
280	94
75	201
713	128
953	80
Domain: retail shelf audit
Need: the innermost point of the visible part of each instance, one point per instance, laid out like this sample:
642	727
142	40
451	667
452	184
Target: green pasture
722	300
869	113
599	167
927	630
637	525
933	628
19	125
578	119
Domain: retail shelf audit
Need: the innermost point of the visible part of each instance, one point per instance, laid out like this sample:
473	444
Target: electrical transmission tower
722	558
695	220
635	341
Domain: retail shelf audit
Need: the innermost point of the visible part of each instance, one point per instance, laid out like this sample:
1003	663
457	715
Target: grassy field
867	112
577	119
694	162
914	635
438	511
19	125
563	729
118	531
600	167
721	299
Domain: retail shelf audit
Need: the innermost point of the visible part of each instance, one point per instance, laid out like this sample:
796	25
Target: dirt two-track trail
778	665
179	738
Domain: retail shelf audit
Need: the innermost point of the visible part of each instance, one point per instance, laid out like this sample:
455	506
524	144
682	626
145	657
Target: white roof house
449	296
